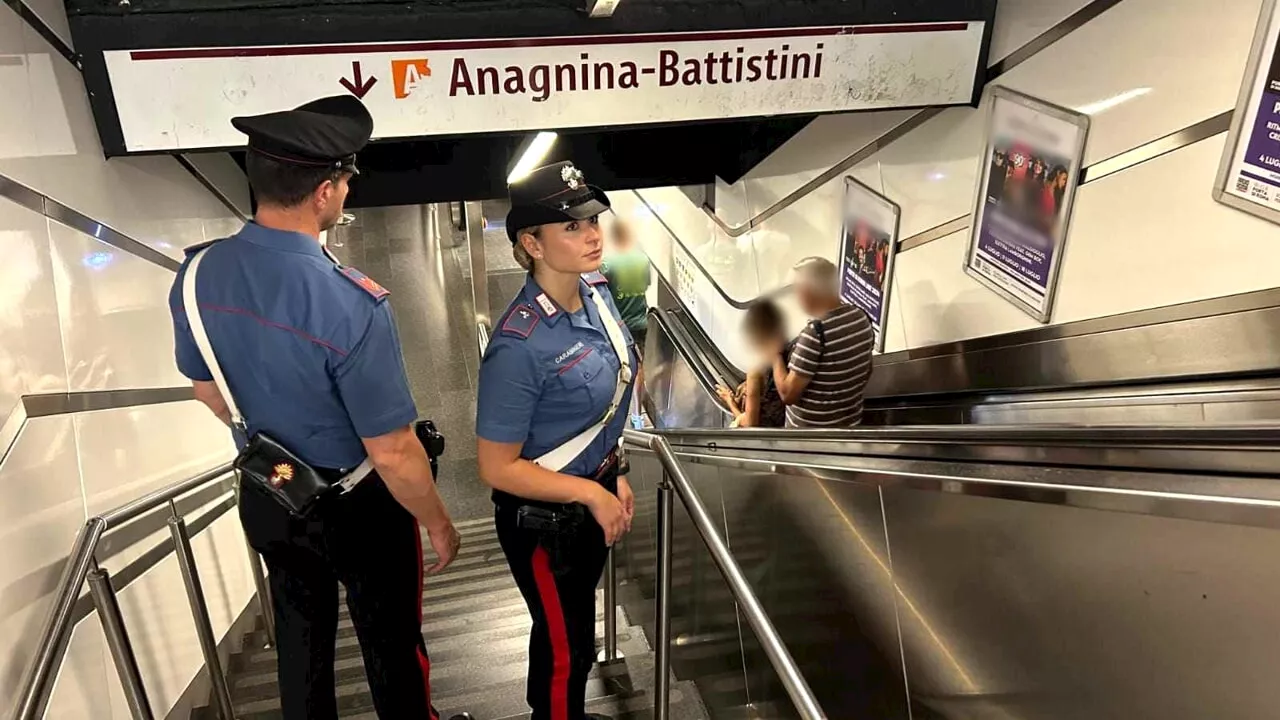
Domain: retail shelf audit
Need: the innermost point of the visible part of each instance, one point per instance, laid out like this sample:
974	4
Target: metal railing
82	567
675	483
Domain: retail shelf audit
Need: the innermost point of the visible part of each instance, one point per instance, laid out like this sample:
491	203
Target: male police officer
311	358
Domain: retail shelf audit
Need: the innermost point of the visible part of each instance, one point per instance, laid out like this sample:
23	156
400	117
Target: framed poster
868	245
1249	174
1027	178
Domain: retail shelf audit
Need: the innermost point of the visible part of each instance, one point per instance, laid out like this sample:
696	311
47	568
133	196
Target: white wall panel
17	121
131	451
830	138
152	199
1145	68
42	512
940	303
31	358
115	319
1020	21
225	173
1131	248
54	14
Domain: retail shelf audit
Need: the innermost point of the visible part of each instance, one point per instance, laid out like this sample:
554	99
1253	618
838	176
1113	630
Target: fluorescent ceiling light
1103	105
602	8
533	156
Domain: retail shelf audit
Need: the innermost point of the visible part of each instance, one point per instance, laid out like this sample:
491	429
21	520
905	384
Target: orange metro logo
407	74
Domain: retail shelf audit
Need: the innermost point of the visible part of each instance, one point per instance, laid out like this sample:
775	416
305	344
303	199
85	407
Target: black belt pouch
273	469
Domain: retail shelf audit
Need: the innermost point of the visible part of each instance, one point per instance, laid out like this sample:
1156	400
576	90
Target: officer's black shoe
594	716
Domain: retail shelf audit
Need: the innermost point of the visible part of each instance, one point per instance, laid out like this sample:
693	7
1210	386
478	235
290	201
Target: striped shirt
835	351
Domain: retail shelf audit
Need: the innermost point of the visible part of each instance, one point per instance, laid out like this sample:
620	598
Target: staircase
477	632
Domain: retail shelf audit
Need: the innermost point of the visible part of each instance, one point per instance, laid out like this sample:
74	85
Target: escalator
975	571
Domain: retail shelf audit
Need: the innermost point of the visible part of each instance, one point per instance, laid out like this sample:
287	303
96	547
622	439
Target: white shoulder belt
560	457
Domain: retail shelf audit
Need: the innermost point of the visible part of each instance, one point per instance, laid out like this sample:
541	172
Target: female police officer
553	391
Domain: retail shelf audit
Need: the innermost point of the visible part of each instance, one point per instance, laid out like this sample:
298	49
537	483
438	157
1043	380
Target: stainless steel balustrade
675	482
82	565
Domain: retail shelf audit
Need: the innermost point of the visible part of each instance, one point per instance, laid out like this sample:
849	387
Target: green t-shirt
629	278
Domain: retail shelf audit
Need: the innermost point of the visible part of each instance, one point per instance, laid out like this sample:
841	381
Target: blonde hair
518	251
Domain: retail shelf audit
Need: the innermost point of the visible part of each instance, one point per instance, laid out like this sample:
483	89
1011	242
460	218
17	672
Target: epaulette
364	282
520	322
595	278
193	249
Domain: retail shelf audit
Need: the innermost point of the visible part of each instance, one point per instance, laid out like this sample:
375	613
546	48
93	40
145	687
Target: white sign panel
177	99
1249	175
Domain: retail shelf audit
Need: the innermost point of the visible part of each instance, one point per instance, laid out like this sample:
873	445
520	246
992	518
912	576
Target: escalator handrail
701	341
1261	436
675	237
704	374
1175	490
775	649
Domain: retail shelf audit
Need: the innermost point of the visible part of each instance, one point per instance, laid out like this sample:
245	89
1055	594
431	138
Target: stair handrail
674	479
82	566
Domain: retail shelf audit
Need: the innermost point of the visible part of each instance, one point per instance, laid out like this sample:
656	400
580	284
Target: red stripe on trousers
423	661
554	613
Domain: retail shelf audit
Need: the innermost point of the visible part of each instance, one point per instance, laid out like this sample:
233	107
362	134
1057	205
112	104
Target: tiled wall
1143	69
79	315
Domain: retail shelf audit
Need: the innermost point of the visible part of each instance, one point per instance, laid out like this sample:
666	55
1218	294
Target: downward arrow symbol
357	85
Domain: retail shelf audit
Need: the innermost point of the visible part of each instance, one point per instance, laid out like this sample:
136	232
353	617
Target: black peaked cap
550	194
325	132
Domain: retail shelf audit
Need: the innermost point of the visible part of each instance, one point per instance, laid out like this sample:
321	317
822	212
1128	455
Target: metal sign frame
1267	29
1075	171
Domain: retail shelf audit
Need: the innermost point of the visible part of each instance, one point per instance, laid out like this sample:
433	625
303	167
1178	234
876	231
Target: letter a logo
407	74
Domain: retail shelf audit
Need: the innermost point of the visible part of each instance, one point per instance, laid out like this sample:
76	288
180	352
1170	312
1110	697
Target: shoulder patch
595	278
520	322
364	282
193	249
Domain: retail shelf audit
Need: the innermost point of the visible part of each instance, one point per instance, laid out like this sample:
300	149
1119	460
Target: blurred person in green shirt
627	269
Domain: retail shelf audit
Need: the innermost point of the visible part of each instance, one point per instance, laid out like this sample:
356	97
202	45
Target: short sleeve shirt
549	374
309	348
835	352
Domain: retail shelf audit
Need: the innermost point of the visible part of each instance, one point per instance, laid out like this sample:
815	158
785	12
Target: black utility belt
550	518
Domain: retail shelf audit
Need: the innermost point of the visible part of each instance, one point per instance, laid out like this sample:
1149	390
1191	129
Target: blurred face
622	238
329	200
764	343
569	247
811	303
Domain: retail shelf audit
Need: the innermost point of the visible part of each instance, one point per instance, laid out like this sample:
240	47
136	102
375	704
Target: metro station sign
183	99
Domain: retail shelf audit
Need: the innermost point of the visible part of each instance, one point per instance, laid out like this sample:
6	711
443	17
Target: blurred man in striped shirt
830	364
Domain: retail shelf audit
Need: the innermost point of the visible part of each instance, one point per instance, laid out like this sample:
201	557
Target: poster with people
869	242
1027	180
1249	175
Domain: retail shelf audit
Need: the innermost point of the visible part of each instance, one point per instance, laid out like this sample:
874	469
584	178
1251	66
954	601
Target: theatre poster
868	245
1027	177
1249	174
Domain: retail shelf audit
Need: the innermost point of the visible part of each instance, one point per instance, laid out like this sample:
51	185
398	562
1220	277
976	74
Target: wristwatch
624	463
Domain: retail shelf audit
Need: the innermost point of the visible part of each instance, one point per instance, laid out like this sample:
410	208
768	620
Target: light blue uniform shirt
309	348
549	374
